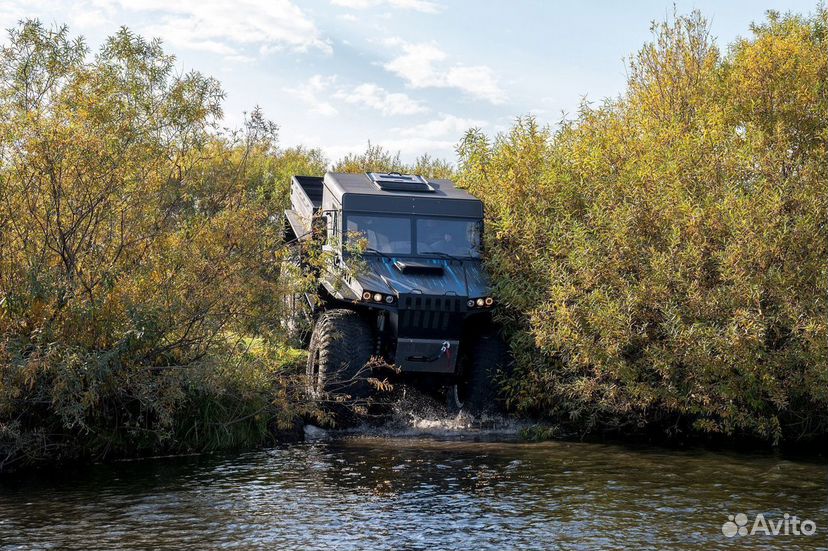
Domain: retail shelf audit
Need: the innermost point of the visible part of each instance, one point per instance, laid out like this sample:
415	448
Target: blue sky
410	75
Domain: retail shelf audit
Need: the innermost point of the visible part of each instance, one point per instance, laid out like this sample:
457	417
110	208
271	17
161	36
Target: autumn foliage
140	295
660	260
663	257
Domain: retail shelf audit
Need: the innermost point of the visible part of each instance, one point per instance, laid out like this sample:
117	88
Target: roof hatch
394	181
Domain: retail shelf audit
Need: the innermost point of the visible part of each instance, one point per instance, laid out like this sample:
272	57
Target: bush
376	159
139	253
663	258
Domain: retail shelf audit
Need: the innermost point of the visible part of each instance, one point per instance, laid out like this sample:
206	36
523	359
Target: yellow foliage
135	236
662	258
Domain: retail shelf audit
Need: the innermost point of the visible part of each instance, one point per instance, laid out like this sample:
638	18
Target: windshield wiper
444	255
373	250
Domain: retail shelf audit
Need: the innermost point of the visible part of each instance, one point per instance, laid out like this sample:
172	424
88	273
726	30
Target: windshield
386	234
446	236
437	236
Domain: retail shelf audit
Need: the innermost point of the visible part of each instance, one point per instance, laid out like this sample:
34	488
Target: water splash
415	414
312	432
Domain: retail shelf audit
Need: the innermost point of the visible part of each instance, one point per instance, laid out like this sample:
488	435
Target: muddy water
420	482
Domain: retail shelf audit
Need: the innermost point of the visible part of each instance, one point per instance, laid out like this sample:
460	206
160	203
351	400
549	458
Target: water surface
417	489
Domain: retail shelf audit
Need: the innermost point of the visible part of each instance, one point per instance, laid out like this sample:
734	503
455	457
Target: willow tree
663	256
138	249
376	158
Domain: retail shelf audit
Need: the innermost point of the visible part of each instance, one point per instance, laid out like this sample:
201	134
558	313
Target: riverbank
408	415
251	399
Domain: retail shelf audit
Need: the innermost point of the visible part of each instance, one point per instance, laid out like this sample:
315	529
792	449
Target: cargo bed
306	200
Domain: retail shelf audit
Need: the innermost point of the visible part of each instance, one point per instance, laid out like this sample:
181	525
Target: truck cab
405	276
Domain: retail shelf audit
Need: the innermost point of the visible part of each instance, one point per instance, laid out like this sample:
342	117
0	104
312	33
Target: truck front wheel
477	392
340	347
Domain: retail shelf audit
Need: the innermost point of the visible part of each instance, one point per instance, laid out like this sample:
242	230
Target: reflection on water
381	491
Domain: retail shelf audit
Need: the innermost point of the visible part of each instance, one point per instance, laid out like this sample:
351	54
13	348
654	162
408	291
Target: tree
377	159
139	253
663	256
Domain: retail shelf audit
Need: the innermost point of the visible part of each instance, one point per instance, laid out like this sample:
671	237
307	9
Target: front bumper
427	355
428	330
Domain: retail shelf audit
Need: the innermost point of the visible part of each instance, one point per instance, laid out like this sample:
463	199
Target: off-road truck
403	283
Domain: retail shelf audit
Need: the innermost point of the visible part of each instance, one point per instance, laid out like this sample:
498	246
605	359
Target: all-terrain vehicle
403	283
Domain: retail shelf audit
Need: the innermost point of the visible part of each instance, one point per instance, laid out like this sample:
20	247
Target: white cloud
420	65
416	64
83	14
378	98
215	26
310	94
91	17
417	5
437	138
415	146
445	126
318	91
227	27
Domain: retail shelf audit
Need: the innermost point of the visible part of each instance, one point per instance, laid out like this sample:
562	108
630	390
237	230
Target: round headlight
378	297
489	301
389	299
470	303
480	302
366	295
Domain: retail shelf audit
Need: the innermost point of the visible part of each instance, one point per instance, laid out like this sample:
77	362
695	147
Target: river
432	485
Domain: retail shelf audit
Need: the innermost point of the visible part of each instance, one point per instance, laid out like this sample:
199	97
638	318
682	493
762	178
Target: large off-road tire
340	346
477	392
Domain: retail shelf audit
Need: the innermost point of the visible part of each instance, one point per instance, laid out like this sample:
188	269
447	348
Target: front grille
420	313
436	303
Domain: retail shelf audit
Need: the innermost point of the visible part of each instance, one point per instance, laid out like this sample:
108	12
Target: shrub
139	251
663	257
377	159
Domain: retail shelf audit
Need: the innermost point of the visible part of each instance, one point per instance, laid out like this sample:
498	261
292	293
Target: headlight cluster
372	296
482	302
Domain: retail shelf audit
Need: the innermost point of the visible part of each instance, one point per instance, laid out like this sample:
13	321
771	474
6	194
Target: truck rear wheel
340	346
477	391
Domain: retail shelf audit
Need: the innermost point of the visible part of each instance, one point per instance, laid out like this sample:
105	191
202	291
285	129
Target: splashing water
415	414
